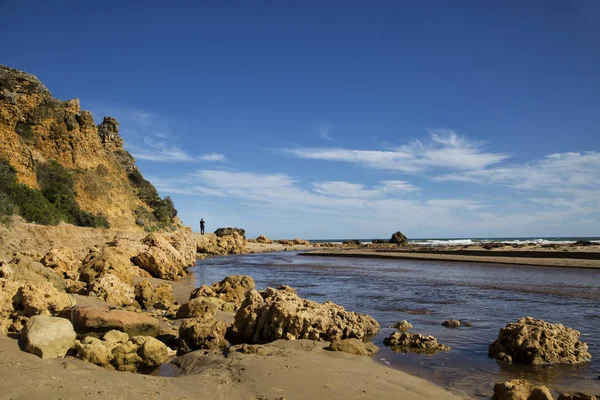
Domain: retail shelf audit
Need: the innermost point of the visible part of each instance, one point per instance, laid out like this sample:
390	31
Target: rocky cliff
45	141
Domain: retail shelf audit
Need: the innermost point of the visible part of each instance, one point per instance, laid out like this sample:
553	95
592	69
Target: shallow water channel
426	293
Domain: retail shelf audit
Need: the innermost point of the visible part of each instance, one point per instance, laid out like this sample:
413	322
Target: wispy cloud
445	149
555	172
355	190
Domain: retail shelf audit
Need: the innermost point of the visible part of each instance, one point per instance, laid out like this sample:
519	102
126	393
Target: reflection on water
428	292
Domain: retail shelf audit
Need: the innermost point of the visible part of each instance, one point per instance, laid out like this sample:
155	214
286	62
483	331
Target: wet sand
295	370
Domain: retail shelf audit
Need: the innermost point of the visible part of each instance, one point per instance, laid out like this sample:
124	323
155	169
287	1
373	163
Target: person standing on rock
202	226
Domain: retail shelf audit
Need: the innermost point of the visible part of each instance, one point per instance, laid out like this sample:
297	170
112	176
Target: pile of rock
233	243
533	341
281	314
201	333
264	240
228	293
20	300
414	342
118	351
520	389
161	259
160	297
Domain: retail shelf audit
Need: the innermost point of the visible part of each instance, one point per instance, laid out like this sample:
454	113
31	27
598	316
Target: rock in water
399	238
451	323
403	325
354	346
533	341
48	337
281	314
576	396
520	389
414	342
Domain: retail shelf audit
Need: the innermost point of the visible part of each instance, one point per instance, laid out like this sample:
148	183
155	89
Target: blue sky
340	119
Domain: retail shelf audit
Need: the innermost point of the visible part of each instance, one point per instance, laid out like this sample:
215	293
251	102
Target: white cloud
213	157
445	149
355	190
555	172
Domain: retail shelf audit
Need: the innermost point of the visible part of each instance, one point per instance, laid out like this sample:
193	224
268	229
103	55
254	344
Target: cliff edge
81	170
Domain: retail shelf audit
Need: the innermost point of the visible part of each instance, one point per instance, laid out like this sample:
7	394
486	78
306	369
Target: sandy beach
583	257
283	374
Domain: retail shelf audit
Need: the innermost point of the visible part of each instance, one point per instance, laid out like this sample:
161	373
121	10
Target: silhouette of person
202	226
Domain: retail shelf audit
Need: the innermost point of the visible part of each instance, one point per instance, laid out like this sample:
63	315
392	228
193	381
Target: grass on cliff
55	202
163	209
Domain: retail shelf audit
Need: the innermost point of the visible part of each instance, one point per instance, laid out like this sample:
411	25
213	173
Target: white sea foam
464	242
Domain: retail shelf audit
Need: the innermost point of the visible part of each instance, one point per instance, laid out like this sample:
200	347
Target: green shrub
85	218
8	175
33	206
163	209
56	184
25	130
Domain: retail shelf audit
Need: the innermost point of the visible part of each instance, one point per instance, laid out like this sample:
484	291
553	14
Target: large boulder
26	268
144	294
42	299
399	238
161	259
148	297
117	351
185	244
354	346
94	351
196	334
111	289
163	296
201	307
221	232
520	389
63	262
19	300
96	322
48	337
231	289
533	341
281	314
9	298
152	351
114	260
414	343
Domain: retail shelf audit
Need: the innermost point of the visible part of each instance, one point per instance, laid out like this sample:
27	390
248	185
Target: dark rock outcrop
229	231
399	239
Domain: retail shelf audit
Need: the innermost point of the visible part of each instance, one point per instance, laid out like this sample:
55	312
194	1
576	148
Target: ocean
426	293
470	241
